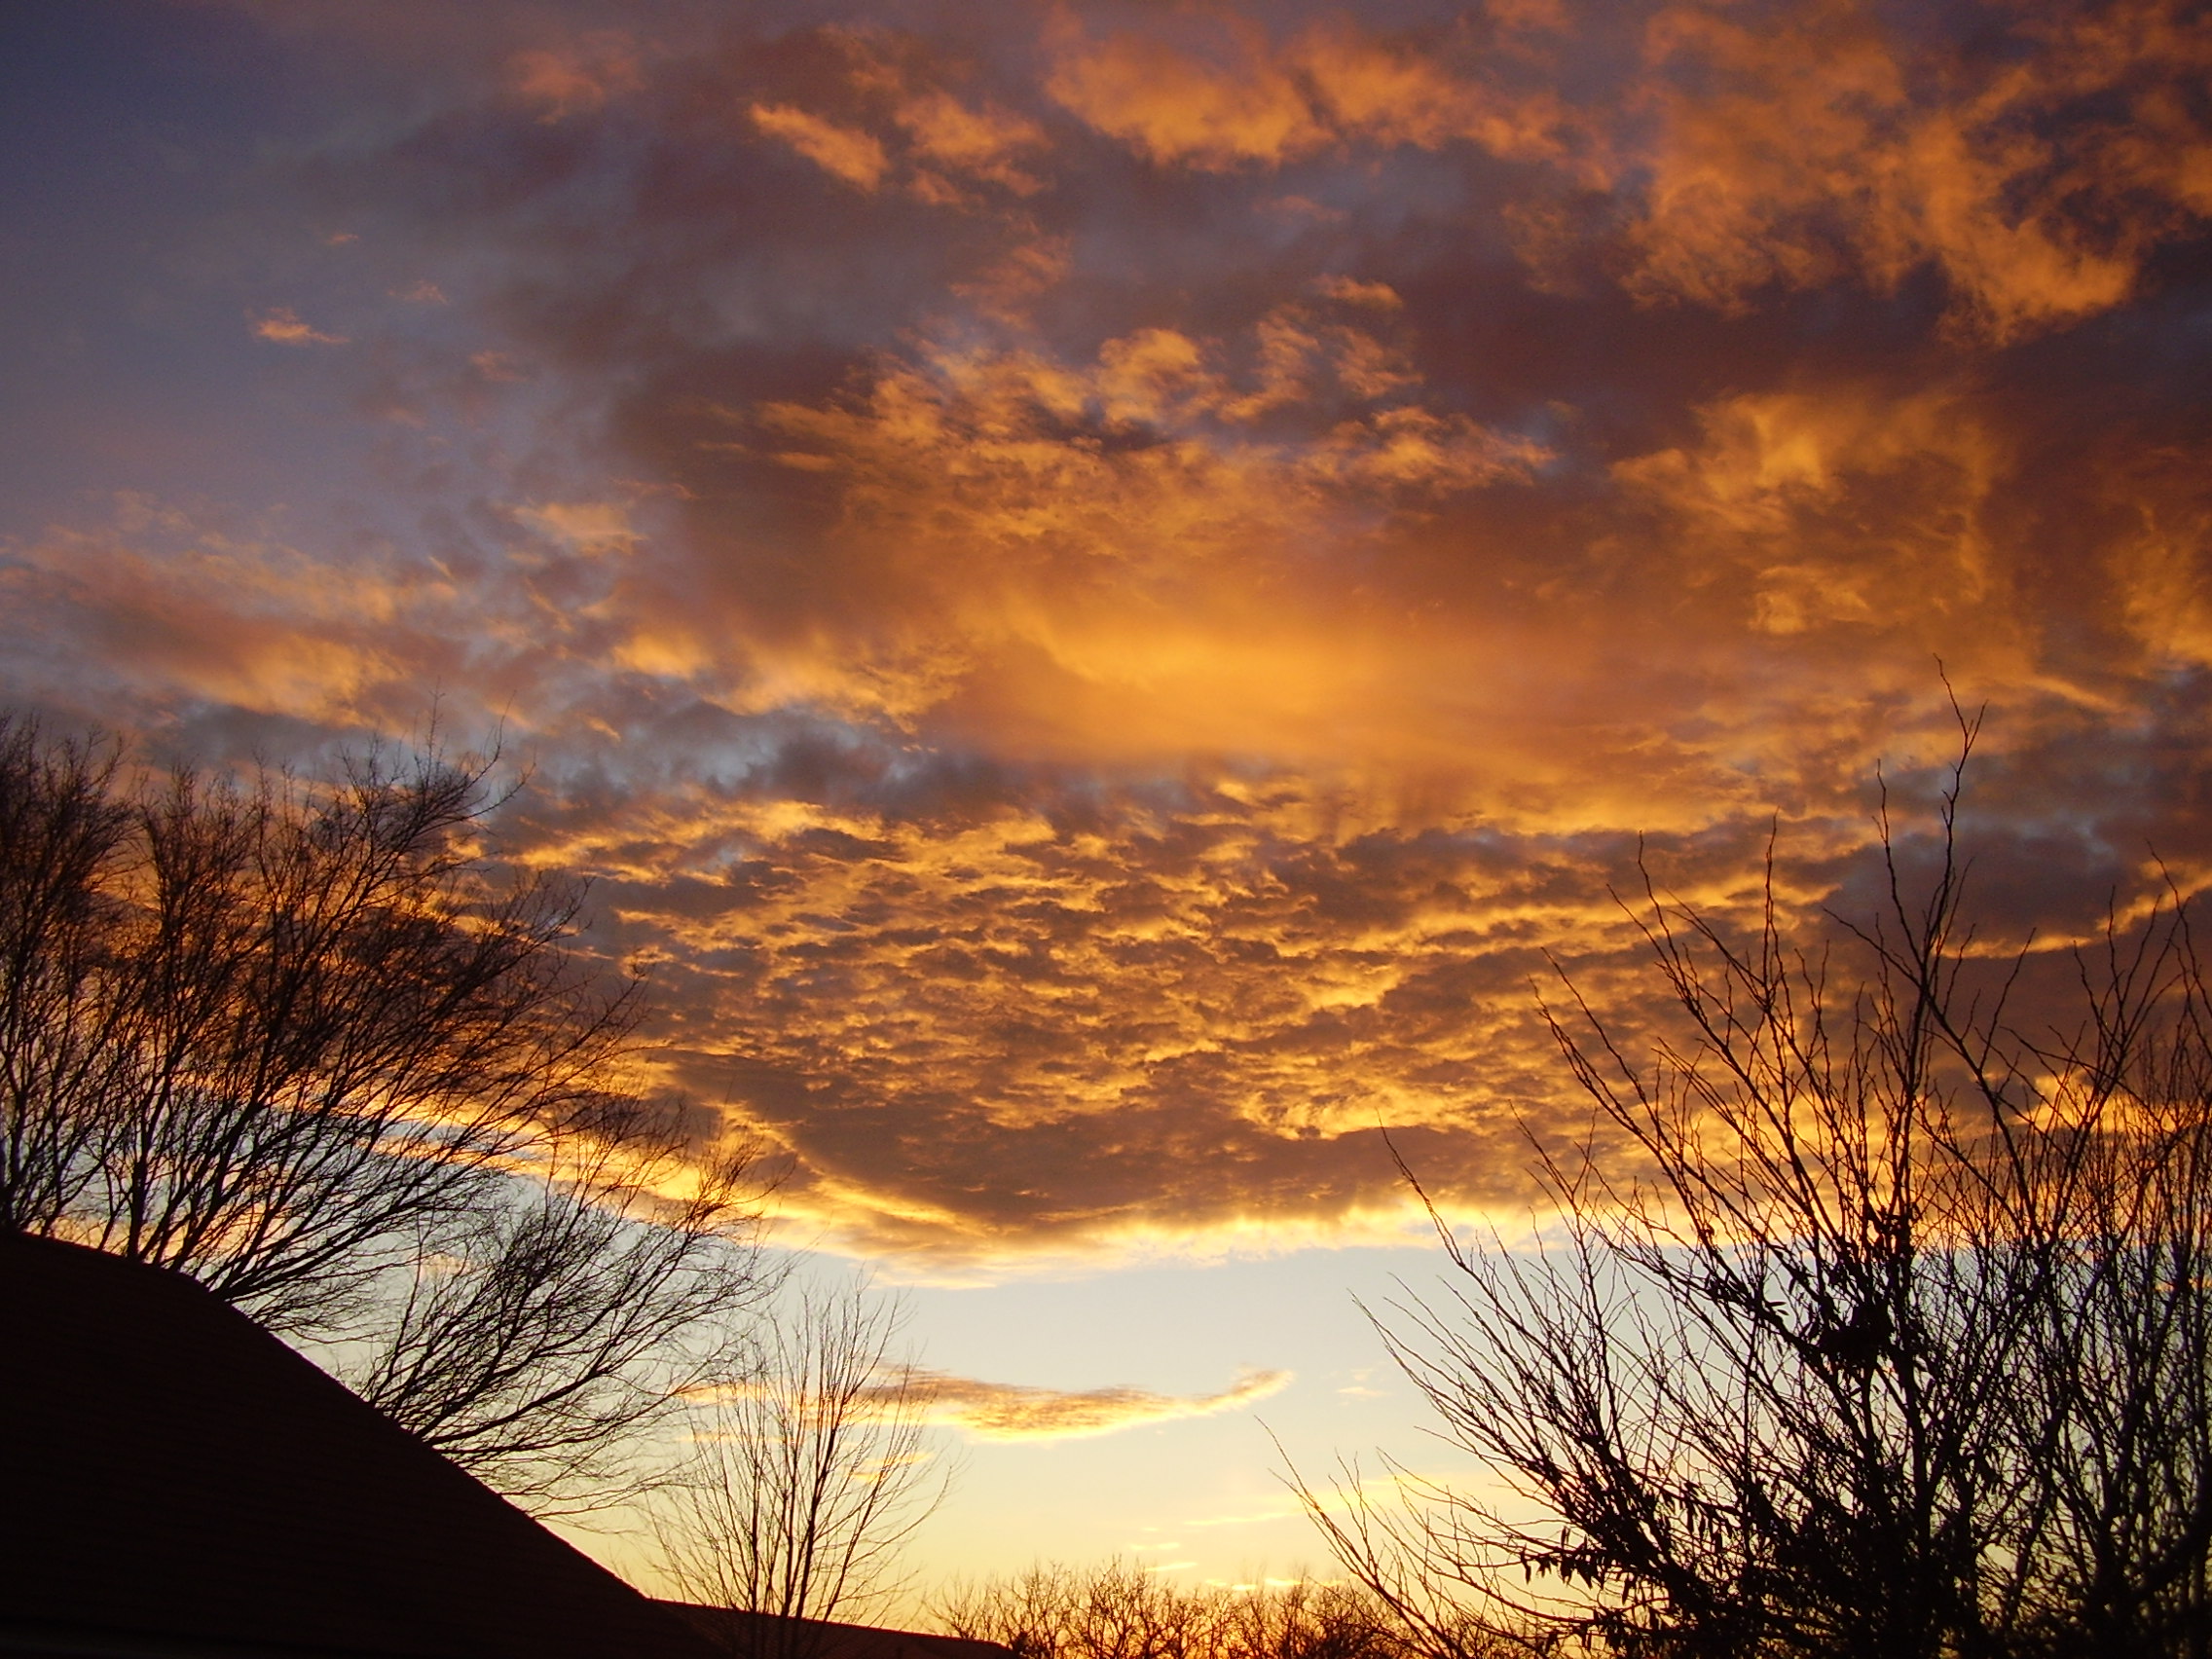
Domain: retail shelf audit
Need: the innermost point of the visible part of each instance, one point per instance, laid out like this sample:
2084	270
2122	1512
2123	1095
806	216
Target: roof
175	1480
766	1636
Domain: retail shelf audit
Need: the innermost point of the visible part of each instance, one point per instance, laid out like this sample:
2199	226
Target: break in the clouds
1102	590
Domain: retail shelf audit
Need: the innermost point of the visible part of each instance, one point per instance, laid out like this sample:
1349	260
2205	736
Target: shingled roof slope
172	1478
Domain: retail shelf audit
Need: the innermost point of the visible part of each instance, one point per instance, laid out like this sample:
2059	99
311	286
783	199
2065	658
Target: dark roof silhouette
769	1636
175	1481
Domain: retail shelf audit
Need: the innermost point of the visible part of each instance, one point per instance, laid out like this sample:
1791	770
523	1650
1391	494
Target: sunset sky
1097	587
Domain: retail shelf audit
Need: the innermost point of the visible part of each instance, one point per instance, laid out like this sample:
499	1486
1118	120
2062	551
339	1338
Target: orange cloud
589	527
1012	544
1352	291
1837	507
577	77
842	151
979	143
1094	700
249	624
1178	108
2162	565
1009	1411
877	112
281	326
1751	152
1790	148
1251	104
1376	94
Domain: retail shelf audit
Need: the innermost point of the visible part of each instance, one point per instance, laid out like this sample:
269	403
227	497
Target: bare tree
338	1029
304	1045
1882	1327
1113	1610
536	1345
1120	1611
812	1469
64	841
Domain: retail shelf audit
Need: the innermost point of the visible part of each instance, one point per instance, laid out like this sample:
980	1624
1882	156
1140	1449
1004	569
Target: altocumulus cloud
1099	591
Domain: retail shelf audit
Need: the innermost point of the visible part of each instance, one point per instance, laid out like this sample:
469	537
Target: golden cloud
1005	1411
1005	526
1177	108
980	143
282	326
1751	152
1842	507
842	151
1246	102
589	527
1095	631
1816	148
578	76
885	115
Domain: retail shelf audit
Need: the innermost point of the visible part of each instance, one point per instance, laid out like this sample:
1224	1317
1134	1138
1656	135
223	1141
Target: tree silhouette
304	1045
1119	1610
811	1469
1875	1325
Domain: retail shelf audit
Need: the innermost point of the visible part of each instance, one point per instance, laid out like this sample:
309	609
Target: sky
1107	594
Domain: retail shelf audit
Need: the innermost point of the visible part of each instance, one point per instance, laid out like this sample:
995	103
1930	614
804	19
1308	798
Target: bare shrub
1885	1328
1117	1610
811	1468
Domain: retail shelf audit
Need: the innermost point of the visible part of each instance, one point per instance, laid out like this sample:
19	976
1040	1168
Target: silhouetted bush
1119	1610
1882	1326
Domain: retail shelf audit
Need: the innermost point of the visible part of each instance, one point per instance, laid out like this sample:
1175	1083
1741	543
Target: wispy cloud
842	152
282	326
1005	1411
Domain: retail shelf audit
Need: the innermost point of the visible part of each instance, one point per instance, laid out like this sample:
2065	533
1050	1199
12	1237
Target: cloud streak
281	326
1012	1412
